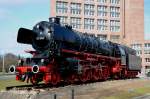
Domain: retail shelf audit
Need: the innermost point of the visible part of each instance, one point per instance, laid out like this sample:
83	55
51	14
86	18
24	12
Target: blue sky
147	18
19	13
25	13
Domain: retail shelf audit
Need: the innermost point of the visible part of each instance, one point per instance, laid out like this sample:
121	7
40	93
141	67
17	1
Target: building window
91	34
147	45
75	8
89	0
102	1
63	20
88	9
102	37
114	11
115	38
138	48
146	51
114	1
147	48
101	10
147	59
101	24
114	25
75	22
138	52
61	7
88	23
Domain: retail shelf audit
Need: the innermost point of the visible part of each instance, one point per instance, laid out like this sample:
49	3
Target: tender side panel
134	62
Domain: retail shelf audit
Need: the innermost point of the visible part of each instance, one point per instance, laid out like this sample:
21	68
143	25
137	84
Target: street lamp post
3	68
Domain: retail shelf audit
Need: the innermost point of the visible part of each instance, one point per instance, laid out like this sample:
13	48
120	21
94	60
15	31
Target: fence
72	96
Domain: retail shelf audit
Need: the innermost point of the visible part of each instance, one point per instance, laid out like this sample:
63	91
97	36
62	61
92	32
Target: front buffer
33	74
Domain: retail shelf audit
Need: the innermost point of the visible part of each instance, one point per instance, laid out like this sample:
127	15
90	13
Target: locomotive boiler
65	55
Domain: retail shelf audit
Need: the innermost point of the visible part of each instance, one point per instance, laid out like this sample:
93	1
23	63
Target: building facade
121	21
102	18
146	57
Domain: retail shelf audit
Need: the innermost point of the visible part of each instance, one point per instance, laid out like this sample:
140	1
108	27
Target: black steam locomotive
65	50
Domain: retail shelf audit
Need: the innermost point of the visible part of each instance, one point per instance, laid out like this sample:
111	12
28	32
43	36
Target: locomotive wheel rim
88	75
84	77
95	75
33	80
72	79
100	74
54	79
105	74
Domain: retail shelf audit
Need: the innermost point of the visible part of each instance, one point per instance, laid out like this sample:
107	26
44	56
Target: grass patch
130	94
10	82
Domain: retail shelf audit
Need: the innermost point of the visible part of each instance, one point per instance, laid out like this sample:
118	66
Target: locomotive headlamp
35	69
12	69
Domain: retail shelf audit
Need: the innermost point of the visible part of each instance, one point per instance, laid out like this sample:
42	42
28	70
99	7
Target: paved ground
118	89
6	76
146	96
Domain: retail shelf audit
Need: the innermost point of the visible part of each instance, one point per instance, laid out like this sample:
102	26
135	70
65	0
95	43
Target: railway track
49	86
42	86
28	87
45	87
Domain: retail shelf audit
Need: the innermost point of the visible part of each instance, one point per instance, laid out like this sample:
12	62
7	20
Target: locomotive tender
65	55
